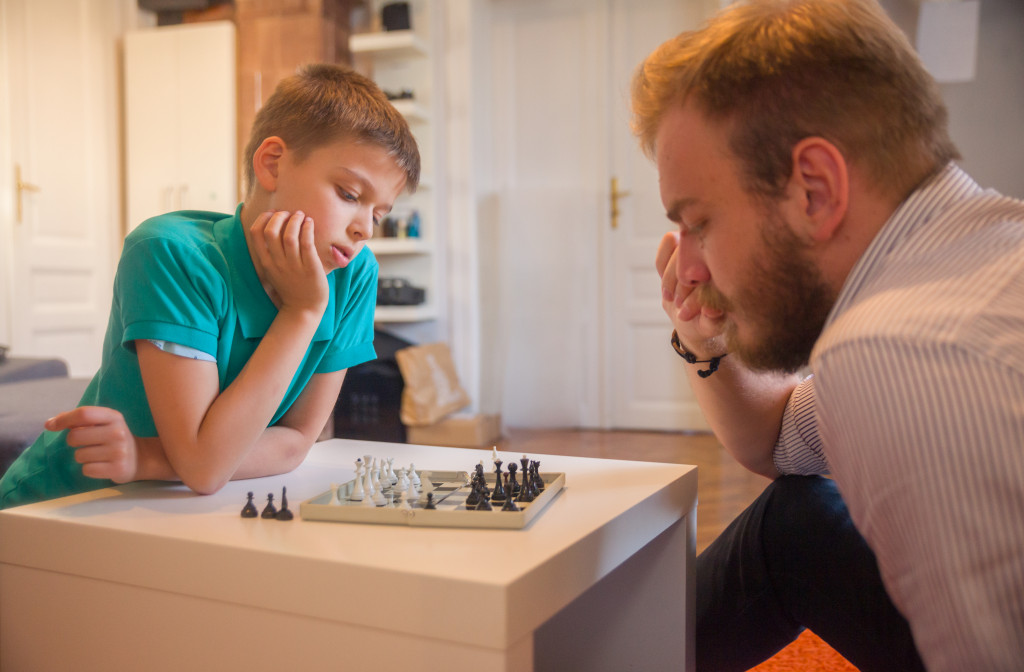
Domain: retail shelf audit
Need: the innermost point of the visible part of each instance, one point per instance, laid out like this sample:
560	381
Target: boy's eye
347	195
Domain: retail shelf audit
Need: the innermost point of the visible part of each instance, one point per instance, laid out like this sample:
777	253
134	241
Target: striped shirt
916	407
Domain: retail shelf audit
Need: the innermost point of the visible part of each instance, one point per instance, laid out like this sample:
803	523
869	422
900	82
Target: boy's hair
778	71
324	103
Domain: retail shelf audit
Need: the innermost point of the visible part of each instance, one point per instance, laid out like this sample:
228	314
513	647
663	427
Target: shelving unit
401	60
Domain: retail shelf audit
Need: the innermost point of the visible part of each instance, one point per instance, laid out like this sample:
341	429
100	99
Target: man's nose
690	267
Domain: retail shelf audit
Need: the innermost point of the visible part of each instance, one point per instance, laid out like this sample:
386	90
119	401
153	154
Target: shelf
411	110
396	43
381	246
421	313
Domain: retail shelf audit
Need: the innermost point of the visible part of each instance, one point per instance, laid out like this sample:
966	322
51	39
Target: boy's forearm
222	428
277	451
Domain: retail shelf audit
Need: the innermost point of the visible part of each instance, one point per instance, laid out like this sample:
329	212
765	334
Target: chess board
451	488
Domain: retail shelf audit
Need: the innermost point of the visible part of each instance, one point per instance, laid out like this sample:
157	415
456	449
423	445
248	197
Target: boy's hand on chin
287	254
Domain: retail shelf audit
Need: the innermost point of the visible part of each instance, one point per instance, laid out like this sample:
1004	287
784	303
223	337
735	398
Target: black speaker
395	16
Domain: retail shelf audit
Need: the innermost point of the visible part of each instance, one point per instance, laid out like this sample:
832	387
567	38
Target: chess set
379	495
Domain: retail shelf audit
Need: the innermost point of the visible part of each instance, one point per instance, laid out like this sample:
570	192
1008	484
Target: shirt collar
254	308
950	185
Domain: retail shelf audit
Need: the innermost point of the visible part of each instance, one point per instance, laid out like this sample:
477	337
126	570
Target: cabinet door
180	120
207	157
151	123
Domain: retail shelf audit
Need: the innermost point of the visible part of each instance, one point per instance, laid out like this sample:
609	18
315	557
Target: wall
986	115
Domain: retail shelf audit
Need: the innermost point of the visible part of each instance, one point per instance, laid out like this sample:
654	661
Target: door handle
20	186
615	195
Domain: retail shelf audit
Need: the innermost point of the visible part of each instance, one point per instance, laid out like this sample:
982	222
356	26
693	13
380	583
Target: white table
151	577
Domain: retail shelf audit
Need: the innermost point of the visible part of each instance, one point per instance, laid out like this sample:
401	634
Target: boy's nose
361	226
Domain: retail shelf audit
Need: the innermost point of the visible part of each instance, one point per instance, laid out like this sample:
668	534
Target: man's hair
778	71
325	103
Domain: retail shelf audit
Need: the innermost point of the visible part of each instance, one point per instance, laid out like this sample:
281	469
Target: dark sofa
32	390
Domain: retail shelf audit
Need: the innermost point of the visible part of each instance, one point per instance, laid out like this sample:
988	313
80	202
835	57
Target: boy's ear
266	162
820	178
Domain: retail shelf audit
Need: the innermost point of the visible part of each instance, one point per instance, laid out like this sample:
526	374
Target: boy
229	336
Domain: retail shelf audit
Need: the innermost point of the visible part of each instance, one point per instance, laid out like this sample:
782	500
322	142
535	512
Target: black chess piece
526	492
249	510
269	511
513	485
483	505
430	501
536	473
284	513
498	495
474	495
510	503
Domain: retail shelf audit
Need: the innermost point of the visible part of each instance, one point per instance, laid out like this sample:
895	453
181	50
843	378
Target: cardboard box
462	430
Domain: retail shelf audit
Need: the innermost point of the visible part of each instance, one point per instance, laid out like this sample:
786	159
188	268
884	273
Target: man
803	152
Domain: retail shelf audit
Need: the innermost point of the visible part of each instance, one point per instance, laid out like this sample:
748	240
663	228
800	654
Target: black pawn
284	513
474	495
513	484
249	510
269	511
499	491
510	503
484	505
430	501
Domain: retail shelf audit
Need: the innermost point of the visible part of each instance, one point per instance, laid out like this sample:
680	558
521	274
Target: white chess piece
357	491
377	484
391	471
334	495
413	476
494	454
368	481
413	491
403	480
405	501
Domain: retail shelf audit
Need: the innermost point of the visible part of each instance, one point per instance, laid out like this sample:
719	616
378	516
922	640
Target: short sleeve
355	303
170	290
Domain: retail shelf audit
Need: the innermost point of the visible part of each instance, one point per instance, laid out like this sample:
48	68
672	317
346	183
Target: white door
59	113
584	339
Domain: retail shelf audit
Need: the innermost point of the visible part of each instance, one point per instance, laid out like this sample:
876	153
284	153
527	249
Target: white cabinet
180	119
401	61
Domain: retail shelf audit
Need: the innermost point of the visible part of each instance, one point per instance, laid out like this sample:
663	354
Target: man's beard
784	300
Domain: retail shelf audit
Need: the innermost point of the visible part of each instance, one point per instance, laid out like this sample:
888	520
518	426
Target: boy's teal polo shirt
187	278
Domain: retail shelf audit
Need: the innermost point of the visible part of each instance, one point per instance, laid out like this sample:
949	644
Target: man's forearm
744	409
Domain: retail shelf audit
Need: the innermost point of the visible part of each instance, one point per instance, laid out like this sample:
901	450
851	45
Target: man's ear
821	181
266	162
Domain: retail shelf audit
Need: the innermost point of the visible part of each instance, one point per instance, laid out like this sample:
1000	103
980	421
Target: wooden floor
724	488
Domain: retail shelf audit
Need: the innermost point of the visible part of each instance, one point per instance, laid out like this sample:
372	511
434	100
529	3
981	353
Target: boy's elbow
205	484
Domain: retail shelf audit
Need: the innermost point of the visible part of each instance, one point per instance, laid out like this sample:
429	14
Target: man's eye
694	228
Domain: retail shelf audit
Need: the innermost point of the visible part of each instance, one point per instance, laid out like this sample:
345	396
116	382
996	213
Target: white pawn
334	495
413	476
391	471
405	501
377	485
357	491
403	480
368	481
413	491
